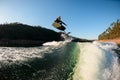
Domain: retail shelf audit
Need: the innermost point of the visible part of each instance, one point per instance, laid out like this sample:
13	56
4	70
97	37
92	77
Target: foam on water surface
13	54
97	61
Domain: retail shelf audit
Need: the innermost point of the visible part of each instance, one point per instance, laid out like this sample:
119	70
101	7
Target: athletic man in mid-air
60	23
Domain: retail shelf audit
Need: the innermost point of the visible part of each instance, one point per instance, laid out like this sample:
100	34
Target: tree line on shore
111	32
15	34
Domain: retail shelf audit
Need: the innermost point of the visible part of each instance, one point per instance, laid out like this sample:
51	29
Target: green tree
111	32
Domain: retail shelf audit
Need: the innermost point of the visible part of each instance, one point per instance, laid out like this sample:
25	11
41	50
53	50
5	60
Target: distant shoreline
20	43
117	41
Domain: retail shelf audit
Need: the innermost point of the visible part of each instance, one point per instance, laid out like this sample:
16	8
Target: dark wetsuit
62	27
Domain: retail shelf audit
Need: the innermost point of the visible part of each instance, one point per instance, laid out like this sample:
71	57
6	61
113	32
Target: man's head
59	17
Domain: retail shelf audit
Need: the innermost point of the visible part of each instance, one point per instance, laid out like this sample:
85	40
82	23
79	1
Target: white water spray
97	61
17	54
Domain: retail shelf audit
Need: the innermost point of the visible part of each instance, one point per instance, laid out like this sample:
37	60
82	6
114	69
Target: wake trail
97	61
